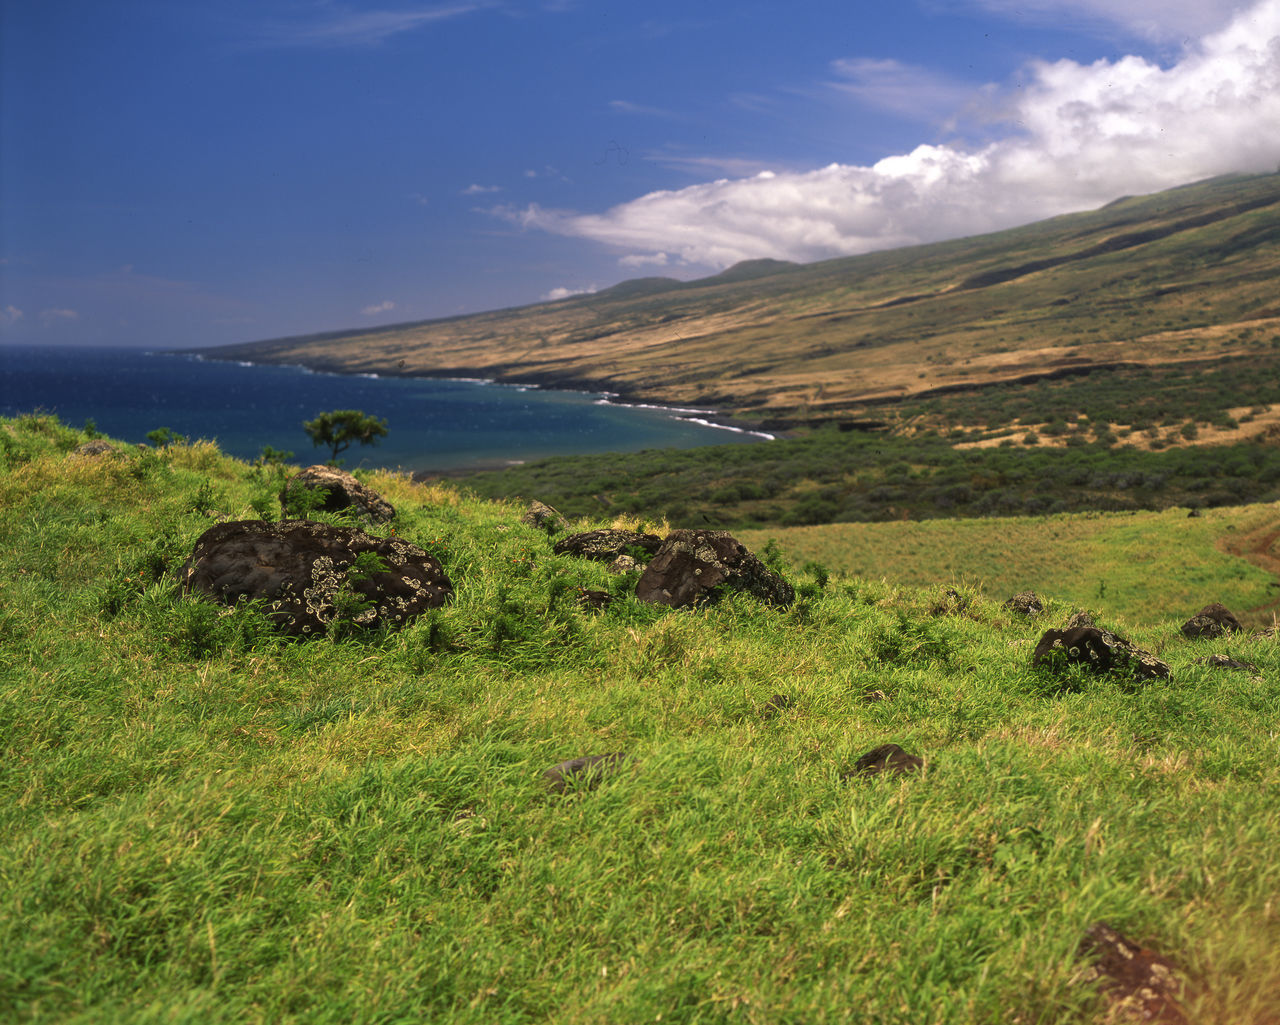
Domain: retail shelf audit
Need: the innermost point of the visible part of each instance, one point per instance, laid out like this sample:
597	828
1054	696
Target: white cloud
645	260
383	307
905	89
1079	135
480	190
55	316
736	166
342	26
1151	19
627	107
11	315
564	293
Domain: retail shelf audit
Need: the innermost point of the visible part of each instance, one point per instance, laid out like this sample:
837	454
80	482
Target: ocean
432	425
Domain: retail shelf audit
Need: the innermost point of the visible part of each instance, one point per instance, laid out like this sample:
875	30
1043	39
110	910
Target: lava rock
695	566
341	491
1226	662
1079	619
777	703
606	545
1101	650
299	568
544	517
623	564
594	600
96	447
887	759
1139	984
1025	603
586	771
1211	621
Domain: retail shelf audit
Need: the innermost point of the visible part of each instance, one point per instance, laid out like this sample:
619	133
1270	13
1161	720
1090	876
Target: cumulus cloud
564	293
1078	135
11	315
480	190
383	307
57	316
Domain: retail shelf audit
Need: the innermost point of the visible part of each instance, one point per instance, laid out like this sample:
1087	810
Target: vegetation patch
203	818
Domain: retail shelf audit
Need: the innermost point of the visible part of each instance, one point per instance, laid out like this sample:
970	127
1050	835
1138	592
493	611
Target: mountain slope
1182	275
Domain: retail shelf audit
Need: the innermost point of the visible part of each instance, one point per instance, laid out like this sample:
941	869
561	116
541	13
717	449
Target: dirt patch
1261	547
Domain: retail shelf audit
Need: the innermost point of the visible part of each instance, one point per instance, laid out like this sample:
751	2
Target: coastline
603	397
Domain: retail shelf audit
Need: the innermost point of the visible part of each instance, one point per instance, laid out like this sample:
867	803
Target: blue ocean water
431	424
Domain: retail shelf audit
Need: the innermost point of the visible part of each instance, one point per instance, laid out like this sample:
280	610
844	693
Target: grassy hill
202	821
1176	279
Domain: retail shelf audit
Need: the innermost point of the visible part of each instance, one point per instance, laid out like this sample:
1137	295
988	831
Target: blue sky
177	173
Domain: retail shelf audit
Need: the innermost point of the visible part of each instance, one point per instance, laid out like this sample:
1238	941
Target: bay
433	425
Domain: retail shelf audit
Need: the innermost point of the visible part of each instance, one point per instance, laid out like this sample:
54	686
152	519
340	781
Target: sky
178	174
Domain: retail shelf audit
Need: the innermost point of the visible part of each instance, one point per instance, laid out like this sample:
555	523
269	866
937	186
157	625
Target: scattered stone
586	771
96	447
886	759
342	491
300	568
1193	513
1226	662
1211	621
777	703
623	564
606	545
1025	603
1079	619
952	603
872	696
694	566
544	517
1100	650
594	600
1139	984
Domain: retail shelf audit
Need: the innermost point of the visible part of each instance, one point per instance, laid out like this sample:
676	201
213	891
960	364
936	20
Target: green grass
200	821
1142	566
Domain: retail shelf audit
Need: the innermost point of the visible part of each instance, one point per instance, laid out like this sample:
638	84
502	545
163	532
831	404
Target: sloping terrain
1181	276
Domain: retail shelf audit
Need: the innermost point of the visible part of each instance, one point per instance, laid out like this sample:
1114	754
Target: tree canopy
338	428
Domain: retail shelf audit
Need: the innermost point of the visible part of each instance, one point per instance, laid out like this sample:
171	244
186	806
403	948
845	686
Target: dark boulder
694	566
96	447
1100	650
586	771
1226	662
1211	621
594	600
542	516
341	491
606	545
1139	984
887	759
1025	603
777	703
623	564
306	573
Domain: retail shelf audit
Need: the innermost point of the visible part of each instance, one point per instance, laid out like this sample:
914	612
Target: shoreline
603	397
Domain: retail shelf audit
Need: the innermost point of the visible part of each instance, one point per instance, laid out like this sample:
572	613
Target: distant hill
1176	277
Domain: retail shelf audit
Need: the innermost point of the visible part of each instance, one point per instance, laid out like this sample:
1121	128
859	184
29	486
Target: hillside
203	820
1172	279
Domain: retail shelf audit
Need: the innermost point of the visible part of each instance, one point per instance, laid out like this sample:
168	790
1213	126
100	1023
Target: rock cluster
1100	650
694	566
1025	603
606	545
341	491
301	568
1211	621
1139	984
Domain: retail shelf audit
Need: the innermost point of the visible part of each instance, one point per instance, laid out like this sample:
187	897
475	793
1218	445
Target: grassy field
203	822
1141	566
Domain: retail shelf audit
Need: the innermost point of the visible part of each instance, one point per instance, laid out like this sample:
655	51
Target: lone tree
338	428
